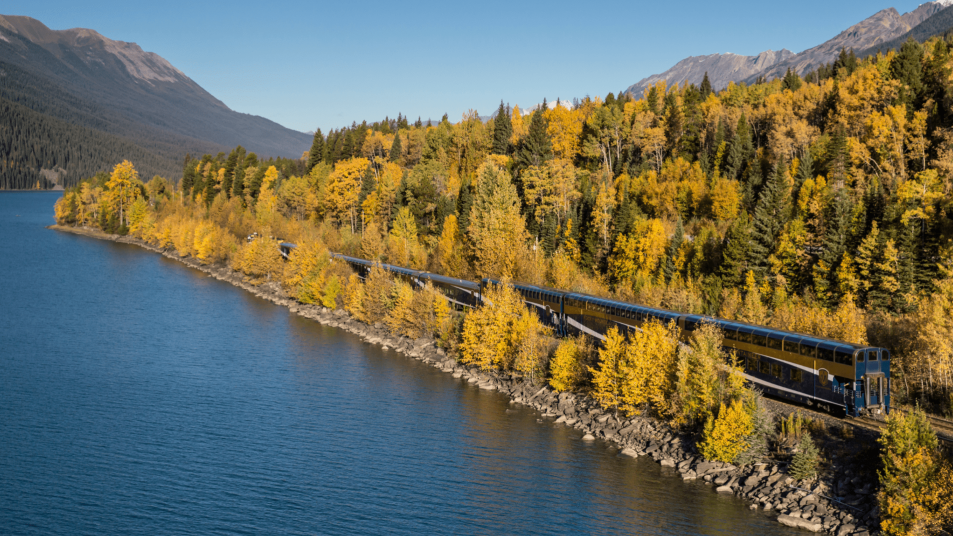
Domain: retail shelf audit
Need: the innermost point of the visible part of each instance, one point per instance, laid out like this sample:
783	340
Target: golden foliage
567	367
725	435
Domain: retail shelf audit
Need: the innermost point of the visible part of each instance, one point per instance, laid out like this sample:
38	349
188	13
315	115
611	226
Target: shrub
805	462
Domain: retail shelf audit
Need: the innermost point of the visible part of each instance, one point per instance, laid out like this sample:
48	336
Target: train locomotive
828	375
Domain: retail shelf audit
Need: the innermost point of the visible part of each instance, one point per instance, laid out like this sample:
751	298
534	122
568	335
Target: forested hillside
126	96
31	142
821	207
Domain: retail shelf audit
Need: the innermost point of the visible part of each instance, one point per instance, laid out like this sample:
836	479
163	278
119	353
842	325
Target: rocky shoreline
765	486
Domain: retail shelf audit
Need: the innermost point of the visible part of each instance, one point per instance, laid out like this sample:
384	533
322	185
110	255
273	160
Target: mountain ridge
879	28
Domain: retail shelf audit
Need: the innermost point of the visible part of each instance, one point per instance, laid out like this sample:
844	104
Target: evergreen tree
673	247
395	149
771	215
230	166
188	174
804	464
805	170
502	131
705	87
316	155
464	204
907	67
536	147
791	80
740	150
735	253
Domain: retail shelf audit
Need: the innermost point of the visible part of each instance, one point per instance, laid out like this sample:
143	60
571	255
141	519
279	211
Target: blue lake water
139	396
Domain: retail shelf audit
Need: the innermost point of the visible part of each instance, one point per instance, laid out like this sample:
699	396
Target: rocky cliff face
875	30
721	69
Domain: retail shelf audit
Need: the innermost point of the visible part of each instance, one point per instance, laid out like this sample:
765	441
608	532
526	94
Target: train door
874	380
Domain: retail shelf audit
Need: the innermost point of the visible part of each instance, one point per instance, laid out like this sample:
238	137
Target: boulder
724	489
799	523
588	437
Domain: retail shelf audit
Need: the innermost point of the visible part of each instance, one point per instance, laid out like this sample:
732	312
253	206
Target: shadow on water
140	396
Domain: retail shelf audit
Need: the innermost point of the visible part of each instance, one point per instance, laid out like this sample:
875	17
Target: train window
797	375
689	325
874	355
843	358
808	350
774	343
825	354
744	337
776	370
730	335
763	367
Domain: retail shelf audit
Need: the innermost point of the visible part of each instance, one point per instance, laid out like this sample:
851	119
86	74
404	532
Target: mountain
82	78
880	28
877	30
721	69
938	24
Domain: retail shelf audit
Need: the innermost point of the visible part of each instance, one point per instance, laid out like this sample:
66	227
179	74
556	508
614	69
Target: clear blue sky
314	64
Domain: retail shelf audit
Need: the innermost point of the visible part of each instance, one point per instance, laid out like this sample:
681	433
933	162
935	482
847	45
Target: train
833	376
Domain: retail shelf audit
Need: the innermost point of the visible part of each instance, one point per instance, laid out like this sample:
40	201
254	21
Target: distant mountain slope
938	24
880	28
871	32
140	86
35	147
721	69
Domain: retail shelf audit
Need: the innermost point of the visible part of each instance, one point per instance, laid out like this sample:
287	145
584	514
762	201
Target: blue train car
461	293
833	376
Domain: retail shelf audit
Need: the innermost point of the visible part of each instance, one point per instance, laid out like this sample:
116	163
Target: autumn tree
497	230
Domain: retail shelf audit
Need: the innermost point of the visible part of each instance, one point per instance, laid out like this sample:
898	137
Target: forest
819	204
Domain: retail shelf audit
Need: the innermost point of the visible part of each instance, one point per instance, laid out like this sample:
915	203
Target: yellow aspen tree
520	129
565	130
121	186
567	371
608	377
497	228
343	190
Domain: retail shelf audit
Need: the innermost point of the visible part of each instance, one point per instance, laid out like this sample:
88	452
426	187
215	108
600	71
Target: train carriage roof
470	285
802	338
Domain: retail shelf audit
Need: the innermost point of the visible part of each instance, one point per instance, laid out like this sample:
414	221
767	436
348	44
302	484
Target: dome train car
829	375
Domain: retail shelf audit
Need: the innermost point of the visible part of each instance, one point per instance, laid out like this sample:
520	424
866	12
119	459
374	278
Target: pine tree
464	204
316	155
907	67
735	255
805	170
395	149
230	166
791	80
536	147
673	247
502	131
804	464
188	174
705	87
770	217
740	150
